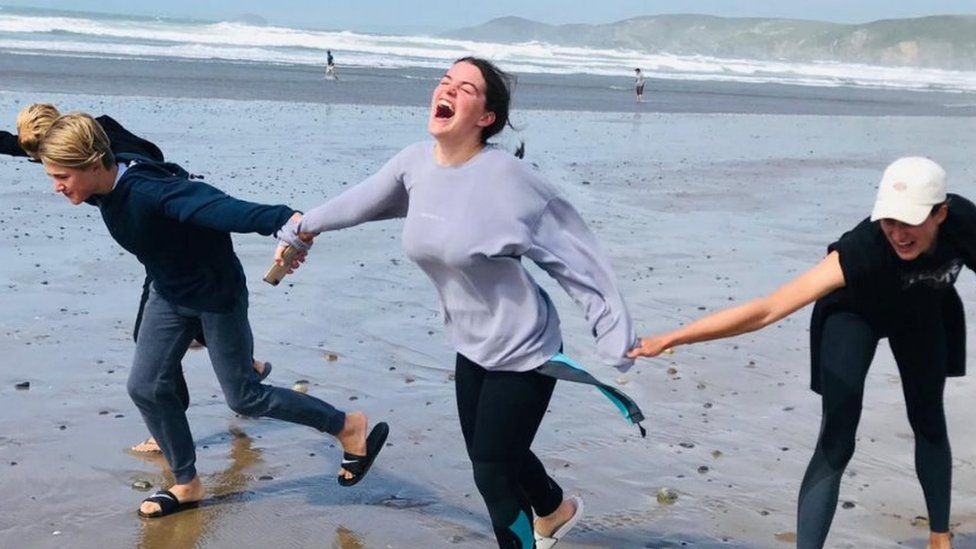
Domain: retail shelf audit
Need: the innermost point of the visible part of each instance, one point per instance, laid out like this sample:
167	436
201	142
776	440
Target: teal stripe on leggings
522	529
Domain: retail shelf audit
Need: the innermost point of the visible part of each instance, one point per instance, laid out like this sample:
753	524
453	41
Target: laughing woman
890	277
473	212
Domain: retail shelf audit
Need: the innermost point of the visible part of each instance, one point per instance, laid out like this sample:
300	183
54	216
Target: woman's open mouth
443	109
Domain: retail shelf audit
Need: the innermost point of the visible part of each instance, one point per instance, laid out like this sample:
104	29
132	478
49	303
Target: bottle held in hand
277	272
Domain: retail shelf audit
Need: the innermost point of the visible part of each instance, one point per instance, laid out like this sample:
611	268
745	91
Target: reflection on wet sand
186	529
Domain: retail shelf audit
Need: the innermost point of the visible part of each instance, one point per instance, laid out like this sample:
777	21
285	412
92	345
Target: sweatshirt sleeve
380	196
566	249
960	226
200	204
859	255
9	145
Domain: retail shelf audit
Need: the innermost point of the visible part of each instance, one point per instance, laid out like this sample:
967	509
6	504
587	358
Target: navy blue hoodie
180	231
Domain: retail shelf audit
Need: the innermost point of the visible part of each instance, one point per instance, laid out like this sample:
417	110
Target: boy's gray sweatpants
164	335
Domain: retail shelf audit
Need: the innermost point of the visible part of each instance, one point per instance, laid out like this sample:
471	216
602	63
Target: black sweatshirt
122	141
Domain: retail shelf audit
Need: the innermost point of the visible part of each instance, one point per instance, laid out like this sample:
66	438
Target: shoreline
38	73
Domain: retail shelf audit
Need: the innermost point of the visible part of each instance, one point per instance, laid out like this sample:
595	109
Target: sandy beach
697	210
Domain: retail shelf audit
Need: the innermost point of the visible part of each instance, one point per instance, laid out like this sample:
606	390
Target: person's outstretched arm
124	141
810	286
380	196
565	248
10	146
200	204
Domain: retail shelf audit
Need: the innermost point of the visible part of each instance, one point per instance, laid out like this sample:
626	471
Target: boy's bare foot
148	446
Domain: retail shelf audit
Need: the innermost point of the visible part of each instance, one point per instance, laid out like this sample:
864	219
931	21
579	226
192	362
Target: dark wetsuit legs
848	346
920	351
500	413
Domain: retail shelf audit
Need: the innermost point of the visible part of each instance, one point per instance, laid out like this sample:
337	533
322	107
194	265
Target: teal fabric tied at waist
562	367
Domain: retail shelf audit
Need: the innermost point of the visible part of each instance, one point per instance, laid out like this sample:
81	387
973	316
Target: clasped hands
650	347
293	245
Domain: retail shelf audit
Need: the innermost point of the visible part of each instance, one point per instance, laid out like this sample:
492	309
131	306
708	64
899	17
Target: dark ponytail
520	151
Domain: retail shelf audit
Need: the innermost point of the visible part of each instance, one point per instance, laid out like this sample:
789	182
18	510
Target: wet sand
698	211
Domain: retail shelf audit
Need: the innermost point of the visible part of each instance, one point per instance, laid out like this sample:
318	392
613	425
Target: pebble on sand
666	496
300	386
142	485
23	386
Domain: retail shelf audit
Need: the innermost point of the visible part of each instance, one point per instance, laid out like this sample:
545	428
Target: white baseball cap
909	188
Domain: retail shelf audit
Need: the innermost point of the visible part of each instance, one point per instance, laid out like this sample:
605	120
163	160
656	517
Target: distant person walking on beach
639	84
330	68
891	276
180	230
473	213
33	122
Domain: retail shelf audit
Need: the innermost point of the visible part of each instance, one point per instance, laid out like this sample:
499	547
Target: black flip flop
359	465
168	504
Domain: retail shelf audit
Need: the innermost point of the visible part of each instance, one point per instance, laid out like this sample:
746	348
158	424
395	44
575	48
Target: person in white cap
891	276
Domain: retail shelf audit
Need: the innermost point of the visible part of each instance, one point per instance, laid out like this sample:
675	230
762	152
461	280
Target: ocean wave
230	41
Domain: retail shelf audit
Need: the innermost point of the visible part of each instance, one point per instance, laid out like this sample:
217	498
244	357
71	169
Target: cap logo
900	186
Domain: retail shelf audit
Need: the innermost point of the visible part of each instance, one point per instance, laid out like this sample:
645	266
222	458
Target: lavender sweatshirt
468	227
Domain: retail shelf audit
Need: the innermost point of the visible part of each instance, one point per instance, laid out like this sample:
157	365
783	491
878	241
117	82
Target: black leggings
500	413
848	346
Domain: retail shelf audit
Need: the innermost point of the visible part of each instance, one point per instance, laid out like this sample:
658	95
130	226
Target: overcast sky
440	15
